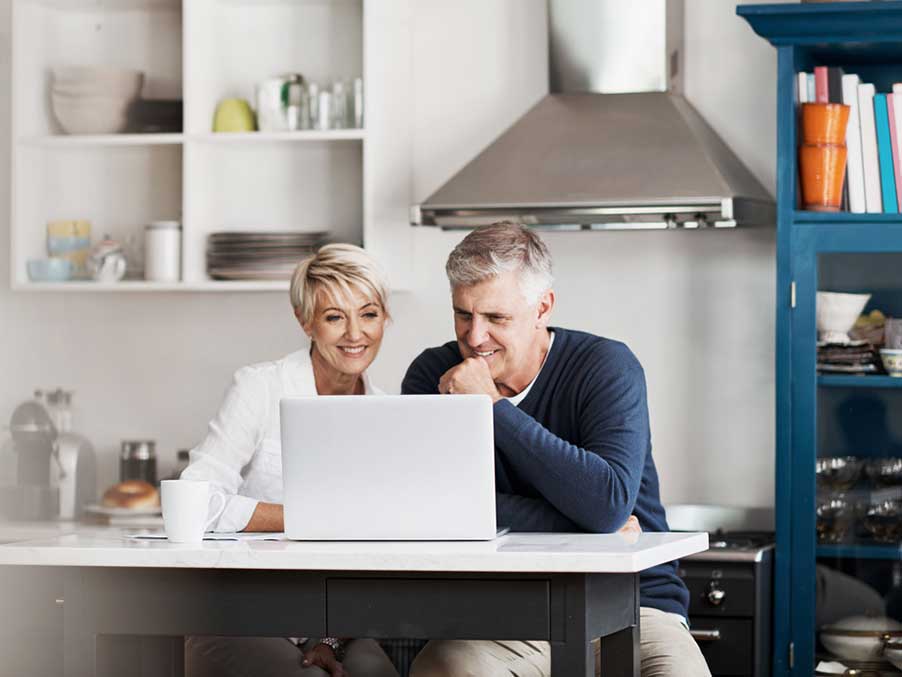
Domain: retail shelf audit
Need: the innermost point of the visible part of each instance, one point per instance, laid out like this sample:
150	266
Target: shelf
268	137
870	29
844	381
142	286
107	5
890	552
61	140
64	140
801	216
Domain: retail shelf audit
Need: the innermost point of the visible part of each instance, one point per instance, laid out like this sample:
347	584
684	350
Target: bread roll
131	494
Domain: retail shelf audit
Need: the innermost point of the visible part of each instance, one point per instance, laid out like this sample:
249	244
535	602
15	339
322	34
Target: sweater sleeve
594	485
522	513
422	376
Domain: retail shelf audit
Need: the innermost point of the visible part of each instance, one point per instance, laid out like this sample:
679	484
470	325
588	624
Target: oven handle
706	635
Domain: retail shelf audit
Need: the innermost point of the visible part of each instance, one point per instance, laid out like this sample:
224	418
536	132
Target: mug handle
218	512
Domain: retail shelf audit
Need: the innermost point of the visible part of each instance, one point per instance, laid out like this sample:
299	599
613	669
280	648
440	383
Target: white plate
119	512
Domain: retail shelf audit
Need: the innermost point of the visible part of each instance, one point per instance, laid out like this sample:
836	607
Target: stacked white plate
269	255
94	99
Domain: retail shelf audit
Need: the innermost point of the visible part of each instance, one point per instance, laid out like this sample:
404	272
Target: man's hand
323	657
470	377
631	526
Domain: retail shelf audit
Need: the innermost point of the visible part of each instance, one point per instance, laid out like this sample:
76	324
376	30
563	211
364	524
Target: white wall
697	307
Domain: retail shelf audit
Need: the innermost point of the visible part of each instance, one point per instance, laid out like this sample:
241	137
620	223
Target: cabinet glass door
847	448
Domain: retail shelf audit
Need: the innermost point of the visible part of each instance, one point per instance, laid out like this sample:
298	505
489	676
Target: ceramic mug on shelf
892	332
187	510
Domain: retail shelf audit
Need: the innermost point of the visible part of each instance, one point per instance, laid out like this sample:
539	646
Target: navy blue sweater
575	455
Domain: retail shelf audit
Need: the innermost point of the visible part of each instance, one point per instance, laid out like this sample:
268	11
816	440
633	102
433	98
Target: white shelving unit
202	51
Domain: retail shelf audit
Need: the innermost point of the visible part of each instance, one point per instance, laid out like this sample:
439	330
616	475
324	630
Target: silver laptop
394	467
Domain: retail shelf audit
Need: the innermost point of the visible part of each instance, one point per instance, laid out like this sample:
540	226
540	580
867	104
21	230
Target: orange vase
823	168
824	122
822	155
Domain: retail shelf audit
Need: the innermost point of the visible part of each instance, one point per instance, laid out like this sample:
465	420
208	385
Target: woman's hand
323	657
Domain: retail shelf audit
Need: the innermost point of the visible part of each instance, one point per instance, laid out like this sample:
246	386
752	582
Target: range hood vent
613	146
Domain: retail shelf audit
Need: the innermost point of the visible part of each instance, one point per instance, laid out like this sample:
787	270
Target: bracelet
336	645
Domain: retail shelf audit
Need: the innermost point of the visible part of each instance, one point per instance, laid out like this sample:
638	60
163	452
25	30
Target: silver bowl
884	472
884	521
834	516
838	472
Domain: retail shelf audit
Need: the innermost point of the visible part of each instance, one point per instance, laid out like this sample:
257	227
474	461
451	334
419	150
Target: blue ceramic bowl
49	270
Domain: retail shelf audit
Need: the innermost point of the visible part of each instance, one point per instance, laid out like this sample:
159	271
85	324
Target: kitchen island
564	588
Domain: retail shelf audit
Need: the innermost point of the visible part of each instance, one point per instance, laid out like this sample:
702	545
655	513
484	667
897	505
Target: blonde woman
339	298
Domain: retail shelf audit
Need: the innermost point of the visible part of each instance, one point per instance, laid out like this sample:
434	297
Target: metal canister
138	461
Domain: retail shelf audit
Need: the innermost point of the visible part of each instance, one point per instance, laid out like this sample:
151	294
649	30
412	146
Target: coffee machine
54	467
33	439
76	472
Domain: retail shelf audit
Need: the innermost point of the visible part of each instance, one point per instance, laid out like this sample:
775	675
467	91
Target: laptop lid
394	467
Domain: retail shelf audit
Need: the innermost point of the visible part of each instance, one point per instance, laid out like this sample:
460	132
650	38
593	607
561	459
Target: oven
730	589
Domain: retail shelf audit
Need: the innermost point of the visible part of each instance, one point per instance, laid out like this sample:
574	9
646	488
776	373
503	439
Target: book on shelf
806	88
802	86
821	87
854	167
896	98
869	157
834	84
885	155
894	131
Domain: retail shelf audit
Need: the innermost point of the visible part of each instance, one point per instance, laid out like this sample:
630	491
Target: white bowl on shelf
91	115
860	638
892	651
836	314
121	83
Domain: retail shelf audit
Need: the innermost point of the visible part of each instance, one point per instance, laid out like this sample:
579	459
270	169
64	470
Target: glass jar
163	251
138	461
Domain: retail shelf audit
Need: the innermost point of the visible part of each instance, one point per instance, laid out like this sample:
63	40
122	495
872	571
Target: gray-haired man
572	440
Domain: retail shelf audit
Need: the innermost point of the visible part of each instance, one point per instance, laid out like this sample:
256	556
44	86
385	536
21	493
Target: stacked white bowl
94	99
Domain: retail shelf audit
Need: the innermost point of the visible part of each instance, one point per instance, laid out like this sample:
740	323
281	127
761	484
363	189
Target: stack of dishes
258	255
94	99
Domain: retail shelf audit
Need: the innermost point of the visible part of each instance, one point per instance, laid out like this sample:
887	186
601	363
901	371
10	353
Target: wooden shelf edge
271	137
849	381
887	552
90	140
802	216
140	286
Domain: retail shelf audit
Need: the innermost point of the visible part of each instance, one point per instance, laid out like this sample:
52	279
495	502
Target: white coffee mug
186	509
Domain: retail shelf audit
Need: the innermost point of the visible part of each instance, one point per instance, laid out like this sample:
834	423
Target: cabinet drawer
736	584
731	653
441	608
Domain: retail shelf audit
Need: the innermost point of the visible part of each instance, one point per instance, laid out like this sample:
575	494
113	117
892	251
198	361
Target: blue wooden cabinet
826	415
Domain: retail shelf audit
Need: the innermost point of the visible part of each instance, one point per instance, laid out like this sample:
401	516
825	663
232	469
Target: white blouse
242	452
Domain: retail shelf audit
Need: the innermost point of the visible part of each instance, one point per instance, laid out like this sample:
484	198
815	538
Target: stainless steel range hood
614	145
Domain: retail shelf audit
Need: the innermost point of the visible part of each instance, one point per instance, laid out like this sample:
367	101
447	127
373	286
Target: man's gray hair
490	251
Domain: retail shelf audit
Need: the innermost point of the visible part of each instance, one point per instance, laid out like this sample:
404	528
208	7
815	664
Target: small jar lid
163	225
138	449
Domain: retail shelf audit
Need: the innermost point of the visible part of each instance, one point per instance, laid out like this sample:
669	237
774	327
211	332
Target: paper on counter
218	536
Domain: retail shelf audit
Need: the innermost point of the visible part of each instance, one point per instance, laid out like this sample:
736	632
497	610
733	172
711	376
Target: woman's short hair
337	270
489	251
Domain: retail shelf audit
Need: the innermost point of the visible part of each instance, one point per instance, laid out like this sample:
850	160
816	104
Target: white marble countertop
539	553
21	531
